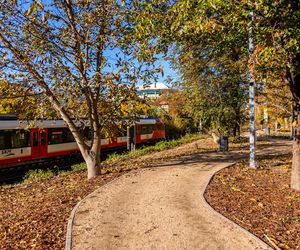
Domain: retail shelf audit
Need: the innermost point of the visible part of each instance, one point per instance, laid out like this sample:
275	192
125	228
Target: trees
16	99
78	56
217	27
279	58
215	92
276	99
276	54
7	105
221	30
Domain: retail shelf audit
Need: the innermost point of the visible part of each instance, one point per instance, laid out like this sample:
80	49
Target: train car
52	139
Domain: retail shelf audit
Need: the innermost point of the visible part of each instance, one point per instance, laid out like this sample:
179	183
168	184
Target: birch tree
223	27
218	27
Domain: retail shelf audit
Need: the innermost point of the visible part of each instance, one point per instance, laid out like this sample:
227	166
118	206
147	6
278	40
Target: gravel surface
34	216
158	208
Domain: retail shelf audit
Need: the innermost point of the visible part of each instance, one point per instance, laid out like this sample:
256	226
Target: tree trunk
286	126
295	175
93	164
294	82
234	131
252	134
292	136
200	125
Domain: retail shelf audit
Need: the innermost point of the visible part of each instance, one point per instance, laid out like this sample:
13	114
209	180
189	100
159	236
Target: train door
131	140
43	142
39	143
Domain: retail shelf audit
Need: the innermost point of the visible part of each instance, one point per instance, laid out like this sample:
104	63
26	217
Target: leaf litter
260	200
34	215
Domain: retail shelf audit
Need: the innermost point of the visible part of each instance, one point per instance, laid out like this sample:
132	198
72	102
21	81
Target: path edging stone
267	247
68	245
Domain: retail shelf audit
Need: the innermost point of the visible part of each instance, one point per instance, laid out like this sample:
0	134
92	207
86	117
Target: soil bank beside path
162	208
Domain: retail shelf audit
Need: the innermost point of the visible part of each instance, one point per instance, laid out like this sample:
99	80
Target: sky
168	72
110	54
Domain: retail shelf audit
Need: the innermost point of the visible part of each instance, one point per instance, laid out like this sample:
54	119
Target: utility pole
131	130
252	136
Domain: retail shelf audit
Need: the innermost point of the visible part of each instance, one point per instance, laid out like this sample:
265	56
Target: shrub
78	167
159	146
37	175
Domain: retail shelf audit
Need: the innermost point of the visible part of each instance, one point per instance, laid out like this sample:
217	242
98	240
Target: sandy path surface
160	208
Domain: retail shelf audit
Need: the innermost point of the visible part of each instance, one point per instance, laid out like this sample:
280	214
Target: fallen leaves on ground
260	200
34	216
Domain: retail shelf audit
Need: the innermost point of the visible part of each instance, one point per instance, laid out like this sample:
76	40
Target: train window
147	129
68	137
55	136
5	139
14	139
43	138
59	135
20	139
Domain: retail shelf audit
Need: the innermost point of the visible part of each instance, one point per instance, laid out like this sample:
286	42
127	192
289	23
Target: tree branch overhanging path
62	49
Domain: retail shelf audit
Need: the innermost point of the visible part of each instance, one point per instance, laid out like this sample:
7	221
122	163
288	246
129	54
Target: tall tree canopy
214	28
79	56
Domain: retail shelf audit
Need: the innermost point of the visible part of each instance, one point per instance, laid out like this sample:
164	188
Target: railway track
16	174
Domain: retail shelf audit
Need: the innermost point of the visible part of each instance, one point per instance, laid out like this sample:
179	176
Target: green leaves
211	38
78	56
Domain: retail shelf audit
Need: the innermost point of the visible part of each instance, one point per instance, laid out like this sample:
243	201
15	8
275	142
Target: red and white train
53	139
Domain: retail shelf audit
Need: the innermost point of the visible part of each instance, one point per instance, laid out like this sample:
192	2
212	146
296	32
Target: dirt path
161	208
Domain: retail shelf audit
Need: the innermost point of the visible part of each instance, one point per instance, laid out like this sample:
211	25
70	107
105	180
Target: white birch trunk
295	174
252	136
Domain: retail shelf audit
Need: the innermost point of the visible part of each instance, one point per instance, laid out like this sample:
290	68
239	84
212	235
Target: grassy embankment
39	174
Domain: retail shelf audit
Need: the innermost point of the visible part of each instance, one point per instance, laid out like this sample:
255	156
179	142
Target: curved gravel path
163	208
158	208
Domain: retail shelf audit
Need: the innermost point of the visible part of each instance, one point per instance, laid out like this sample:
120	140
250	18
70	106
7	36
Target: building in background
157	95
153	91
